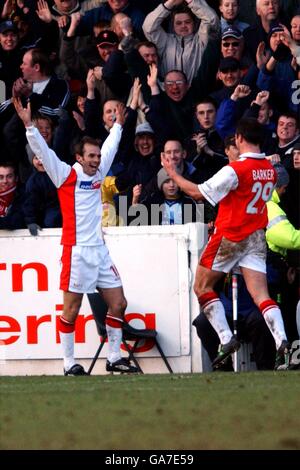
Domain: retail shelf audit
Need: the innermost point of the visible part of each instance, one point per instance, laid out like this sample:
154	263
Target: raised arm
111	143
209	19
185	185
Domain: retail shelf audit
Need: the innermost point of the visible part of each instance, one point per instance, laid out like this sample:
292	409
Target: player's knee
199	290
119	307
72	310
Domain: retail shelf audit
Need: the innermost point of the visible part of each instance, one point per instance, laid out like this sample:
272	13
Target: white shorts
86	267
221	254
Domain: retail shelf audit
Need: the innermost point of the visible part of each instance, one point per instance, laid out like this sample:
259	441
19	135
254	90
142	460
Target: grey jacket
176	52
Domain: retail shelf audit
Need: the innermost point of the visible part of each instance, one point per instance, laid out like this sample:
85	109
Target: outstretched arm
185	185
57	170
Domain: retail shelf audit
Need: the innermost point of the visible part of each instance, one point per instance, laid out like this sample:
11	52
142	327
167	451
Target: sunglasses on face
232	44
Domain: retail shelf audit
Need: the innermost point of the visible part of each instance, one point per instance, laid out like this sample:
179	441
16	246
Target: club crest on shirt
90	184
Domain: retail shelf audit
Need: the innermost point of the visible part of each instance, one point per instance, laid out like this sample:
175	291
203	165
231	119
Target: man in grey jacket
182	49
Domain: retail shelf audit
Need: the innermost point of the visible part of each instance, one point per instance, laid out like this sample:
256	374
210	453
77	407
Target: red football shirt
242	189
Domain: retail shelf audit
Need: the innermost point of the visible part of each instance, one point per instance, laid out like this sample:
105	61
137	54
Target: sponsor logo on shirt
90	184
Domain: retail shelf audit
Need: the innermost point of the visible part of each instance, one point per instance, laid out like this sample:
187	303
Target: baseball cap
144	128
8	26
229	63
107	37
232	32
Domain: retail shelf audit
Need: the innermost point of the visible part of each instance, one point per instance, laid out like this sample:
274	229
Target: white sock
114	336
67	343
273	319
214	311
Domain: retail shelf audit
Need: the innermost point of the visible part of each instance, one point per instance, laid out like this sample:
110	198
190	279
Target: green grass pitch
255	410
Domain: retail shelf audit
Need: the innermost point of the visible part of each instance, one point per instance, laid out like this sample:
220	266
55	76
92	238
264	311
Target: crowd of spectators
187	71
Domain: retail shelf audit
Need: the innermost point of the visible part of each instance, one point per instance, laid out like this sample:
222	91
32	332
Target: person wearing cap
229	73
10	58
229	15
106	11
173	206
142	163
278	75
257	33
183	48
232	43
80	60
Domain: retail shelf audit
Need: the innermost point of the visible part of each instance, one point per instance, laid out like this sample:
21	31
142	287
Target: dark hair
205	101
229	141
146	44
182	9
177	71
174	138
291	115
251	130
39	57
103	24
9	164
45	117
78	148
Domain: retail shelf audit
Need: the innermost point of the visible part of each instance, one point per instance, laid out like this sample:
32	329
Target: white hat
144	128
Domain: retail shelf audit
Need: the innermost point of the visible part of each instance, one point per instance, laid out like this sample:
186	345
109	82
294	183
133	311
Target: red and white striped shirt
79	194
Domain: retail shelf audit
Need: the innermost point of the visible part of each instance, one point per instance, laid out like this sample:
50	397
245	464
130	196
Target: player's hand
23	113
120	114
168	164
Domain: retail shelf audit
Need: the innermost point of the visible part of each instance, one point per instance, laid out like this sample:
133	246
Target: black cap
107	37
229	63
232	32
8	26
296	146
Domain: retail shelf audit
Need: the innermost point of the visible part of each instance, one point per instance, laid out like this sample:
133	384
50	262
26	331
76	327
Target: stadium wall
157	266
